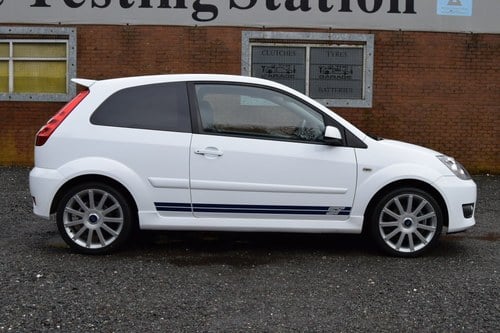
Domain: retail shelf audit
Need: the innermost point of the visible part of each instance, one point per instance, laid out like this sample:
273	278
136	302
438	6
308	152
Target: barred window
35	65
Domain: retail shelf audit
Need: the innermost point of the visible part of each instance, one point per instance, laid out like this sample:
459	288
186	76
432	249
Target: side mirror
332	136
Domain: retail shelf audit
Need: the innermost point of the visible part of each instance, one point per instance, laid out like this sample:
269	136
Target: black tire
406	222
95	218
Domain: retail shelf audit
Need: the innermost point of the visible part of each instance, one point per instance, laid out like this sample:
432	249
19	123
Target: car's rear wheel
94	218
406	222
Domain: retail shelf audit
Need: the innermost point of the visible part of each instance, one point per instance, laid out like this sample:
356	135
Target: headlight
454	166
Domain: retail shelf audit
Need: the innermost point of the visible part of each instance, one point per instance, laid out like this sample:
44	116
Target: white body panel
267	173
248	184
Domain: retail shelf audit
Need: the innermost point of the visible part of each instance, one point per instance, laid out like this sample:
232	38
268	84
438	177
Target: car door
260	153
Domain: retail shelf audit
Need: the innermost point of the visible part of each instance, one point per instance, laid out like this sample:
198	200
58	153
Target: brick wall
440	90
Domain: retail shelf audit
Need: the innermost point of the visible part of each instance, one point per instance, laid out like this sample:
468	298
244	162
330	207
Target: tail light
46	131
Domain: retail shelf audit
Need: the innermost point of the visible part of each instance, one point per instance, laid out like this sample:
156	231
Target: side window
254	111
162	107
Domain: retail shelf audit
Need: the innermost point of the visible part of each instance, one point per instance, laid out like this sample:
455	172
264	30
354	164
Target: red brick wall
440	90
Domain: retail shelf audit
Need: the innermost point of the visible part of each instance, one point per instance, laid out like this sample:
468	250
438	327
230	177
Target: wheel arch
405	183
93	178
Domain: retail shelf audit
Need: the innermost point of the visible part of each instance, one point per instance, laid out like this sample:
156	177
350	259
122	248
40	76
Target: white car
232	153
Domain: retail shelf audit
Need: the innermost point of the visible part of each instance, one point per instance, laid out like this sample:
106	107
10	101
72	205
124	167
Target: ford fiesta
217	152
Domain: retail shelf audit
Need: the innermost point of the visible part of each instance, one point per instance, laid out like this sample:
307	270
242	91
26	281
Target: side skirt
153	221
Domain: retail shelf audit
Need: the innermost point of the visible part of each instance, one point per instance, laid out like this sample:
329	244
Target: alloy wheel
408	222
93	218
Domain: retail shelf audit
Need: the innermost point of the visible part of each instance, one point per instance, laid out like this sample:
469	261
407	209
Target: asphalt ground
246	282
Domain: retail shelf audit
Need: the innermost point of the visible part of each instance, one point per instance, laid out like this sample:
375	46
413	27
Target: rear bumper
460	197
44	184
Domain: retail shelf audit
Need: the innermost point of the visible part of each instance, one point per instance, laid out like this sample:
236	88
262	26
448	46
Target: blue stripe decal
252	209
323	208
172	207
260	211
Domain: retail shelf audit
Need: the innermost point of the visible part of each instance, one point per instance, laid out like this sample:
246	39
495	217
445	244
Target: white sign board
479	16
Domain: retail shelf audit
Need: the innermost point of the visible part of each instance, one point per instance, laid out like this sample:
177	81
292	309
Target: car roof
119	83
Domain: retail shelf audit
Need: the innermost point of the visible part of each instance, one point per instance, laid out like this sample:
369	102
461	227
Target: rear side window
161	106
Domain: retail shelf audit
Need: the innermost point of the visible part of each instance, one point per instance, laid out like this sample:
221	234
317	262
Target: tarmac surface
245	282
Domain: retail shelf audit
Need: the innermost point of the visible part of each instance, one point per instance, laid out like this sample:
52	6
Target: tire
94	218
406	222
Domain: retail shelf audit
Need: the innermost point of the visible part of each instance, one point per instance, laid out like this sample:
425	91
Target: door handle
209	151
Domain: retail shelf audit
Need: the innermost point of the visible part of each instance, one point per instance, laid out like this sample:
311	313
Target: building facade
425	74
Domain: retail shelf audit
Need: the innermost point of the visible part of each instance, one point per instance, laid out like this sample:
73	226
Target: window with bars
37	65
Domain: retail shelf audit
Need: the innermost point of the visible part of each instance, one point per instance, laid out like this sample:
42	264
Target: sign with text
336	73
283	64
455	7
419	15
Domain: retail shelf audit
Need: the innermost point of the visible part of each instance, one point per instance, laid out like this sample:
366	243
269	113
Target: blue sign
454	7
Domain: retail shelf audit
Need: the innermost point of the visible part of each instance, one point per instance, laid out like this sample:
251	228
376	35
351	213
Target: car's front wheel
94	218
406	222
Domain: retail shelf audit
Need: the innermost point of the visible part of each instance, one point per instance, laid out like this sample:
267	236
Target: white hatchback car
219	152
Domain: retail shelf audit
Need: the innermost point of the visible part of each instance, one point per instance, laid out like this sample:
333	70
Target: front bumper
460	197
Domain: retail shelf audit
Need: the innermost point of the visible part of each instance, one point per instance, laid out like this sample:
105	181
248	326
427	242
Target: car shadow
249	249
185	248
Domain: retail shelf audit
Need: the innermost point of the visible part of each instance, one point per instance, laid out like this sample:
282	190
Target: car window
255	111
157	107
